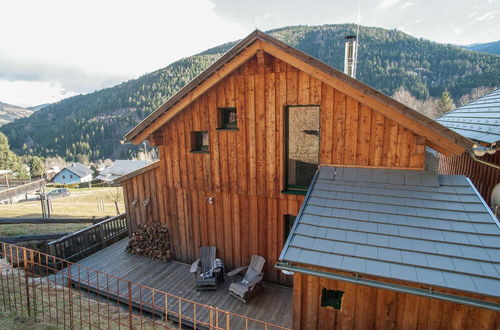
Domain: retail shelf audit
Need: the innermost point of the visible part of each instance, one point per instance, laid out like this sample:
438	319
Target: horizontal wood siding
244	169
484	177
365	307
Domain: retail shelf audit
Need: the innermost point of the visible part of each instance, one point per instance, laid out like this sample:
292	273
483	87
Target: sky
53	49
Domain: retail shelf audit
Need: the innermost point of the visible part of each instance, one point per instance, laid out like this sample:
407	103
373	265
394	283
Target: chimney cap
350	37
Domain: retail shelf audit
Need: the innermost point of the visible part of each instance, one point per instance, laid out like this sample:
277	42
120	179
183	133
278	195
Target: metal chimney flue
351	55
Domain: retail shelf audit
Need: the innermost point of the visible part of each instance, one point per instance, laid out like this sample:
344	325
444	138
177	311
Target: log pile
151	240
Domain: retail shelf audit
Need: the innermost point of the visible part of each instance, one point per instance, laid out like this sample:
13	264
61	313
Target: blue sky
54	49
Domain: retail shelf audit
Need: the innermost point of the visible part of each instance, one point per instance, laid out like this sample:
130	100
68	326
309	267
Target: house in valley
478	120
119	168
240	147
73	174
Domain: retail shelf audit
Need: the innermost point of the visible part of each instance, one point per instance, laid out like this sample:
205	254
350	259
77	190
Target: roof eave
390	286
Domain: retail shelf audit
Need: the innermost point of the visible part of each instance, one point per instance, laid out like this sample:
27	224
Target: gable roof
437	136
478	120
399	224
79	169
120	167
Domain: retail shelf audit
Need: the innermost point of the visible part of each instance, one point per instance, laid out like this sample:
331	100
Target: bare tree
474	94
115	196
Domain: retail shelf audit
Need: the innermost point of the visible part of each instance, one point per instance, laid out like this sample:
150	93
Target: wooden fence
31	287
18	190
82	242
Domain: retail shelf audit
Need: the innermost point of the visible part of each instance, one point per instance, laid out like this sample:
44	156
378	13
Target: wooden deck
273	304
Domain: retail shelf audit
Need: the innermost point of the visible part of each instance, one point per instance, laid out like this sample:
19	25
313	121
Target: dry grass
82	203
55	306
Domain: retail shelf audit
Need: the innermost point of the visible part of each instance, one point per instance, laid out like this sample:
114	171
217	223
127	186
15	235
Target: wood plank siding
484	177
365	307
244	170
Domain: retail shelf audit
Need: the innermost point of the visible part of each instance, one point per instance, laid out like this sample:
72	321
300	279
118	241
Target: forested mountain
93	124
489	47
9	112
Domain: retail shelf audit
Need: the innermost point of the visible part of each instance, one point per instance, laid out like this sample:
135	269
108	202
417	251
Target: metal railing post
26	284
129	284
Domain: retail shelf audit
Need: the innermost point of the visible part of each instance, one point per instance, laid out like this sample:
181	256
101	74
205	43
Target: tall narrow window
288	224
199	141
302	146
227	118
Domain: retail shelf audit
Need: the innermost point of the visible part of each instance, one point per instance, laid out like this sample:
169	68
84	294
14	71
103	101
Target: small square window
64	176
199	141
228	118
71	176
331	298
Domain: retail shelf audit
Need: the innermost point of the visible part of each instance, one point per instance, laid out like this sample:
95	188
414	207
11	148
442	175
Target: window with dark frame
302	147
288	224
199	141
228	118
331	298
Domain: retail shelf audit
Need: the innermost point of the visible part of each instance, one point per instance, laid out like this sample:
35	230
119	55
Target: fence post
25	262
70	297
129	304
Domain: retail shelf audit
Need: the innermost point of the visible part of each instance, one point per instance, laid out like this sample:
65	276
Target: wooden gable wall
244	170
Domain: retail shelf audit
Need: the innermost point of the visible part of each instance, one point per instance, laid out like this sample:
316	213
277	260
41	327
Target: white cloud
458	30
114	38
29	93
485	17
385	4
406	5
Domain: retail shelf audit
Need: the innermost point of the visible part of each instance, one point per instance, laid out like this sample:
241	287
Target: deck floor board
273	304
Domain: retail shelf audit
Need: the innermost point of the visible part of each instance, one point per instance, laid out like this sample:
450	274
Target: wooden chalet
478	120
240	145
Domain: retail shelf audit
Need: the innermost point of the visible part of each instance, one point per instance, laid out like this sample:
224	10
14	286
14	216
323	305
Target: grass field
82	203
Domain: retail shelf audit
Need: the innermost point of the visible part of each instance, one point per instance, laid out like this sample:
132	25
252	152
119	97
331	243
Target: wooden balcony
110	271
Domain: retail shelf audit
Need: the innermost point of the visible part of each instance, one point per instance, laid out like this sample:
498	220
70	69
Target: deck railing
79	297
79	243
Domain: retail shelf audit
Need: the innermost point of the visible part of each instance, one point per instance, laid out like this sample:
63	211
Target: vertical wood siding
244	170
365	307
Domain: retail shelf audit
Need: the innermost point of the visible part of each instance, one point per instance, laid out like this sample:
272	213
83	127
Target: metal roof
478	120
120	167
399	224
79	169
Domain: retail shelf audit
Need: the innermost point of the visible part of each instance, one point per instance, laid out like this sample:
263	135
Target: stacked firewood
152	240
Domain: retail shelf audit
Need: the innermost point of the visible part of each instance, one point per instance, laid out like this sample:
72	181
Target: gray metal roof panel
419	227
479	120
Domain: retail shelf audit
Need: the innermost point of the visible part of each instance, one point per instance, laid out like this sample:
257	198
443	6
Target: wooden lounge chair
246	287
203	265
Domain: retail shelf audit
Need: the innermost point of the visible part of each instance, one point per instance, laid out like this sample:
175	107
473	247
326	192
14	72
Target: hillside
9	113
94	124
489	47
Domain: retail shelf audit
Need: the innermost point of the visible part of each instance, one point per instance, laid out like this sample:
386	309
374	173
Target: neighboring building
51	172
240	145
119	168
74	173
479	121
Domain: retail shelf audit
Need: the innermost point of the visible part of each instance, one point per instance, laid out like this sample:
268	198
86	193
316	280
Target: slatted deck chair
203	265
246	287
